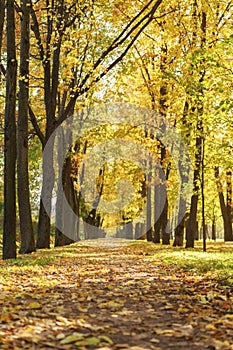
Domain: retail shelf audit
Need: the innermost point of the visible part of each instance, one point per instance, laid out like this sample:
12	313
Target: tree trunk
227	221
59	223
164	221
68	187
129	231
2	19
163	112
9	225
43	230
199	109
213	230
191	231
229	207
26	228
182	210
179	234
180	228
140	231
51	81
148	207
204	226
157	213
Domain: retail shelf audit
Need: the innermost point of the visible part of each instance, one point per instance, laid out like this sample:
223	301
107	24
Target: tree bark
226	214
149	235
26	228
43	230
157	214
71	196
9	225
198	107
129	231
51	80
2	19
229	207
164	221
213	230
179	234
140	231
182	214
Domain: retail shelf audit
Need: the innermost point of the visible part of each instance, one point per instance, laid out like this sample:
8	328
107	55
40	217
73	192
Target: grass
217	262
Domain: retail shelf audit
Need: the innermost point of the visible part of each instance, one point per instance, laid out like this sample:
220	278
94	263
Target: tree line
58	57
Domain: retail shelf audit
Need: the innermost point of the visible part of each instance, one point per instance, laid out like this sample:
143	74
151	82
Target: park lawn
216	262
118	294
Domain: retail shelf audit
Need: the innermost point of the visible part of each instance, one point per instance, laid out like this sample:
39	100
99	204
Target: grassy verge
217	262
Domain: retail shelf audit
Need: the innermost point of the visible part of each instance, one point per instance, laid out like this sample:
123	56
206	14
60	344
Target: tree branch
36	126
123	36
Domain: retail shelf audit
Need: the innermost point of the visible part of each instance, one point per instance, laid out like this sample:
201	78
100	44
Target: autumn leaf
144	309
35	305
73	338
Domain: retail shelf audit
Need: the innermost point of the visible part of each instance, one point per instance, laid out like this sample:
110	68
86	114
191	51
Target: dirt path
112	296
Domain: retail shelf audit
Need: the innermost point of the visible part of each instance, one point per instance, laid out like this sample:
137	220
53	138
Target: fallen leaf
35	305
73	338
106	339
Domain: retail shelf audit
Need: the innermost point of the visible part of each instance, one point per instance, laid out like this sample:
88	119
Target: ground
111	295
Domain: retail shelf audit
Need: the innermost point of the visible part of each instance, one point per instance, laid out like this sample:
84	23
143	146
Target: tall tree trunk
67	186
92	218
9	225
199	109
157	213
163	112
59	223
148	207
191	232
229	207
129	230
182	215
179	234
204	226
226	214
2	19
51	79
26	228
164	221
179	230
43	230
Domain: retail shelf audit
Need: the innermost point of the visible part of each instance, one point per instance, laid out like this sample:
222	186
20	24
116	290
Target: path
112	296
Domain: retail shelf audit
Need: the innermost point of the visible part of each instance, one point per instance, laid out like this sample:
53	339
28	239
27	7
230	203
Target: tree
66	185
86	75
9	226
197	107
26	229
225	204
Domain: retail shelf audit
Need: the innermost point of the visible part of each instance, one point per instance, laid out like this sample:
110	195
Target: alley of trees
61	59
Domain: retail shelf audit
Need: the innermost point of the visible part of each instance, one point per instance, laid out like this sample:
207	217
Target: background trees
172	58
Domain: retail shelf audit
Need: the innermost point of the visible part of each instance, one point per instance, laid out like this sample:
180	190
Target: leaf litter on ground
115	295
